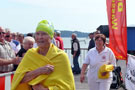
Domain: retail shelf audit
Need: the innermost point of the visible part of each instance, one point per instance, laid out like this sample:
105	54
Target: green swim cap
45	27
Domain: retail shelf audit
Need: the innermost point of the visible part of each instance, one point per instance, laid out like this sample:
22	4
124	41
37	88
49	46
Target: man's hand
82	77
16	60
46	69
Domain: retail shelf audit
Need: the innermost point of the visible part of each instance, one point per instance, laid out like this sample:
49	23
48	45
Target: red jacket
59	42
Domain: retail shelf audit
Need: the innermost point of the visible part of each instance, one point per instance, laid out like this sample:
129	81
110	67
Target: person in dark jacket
91	42
75	51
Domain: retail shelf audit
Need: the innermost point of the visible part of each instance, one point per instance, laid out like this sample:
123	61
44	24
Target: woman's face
99	43
42	39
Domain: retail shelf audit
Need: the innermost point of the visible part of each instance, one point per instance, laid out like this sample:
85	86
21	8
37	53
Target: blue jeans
76	69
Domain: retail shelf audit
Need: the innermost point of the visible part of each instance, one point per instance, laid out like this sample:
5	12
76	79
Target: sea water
84	42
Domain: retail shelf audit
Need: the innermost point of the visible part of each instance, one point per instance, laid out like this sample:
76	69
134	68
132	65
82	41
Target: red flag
116	10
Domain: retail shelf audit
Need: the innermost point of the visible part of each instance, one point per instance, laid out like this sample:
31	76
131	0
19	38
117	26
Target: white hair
28	38
74	34
7	30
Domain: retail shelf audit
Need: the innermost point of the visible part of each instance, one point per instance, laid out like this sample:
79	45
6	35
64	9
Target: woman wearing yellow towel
45	67
101	61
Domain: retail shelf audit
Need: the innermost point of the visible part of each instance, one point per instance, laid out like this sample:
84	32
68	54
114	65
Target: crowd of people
41	63
13	46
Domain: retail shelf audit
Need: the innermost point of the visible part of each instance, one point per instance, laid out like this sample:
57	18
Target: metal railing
81	57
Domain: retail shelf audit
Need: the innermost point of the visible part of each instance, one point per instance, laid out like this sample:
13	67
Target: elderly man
7	55
8	37
75	51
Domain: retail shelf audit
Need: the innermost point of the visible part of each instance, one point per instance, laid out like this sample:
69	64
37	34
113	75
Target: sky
73	15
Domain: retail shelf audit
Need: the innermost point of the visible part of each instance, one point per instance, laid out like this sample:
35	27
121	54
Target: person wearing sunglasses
7	55
8	37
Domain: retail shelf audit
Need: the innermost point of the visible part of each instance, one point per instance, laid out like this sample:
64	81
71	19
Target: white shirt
75	46
96	60
14	47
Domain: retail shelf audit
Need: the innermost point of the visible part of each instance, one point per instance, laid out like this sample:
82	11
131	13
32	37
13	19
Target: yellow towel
105	68
61	79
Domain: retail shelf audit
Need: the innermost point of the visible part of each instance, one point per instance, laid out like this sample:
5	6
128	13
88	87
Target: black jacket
91	44
72	49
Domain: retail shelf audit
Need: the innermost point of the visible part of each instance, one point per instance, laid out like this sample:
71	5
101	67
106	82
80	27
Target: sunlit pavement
84	85
80	86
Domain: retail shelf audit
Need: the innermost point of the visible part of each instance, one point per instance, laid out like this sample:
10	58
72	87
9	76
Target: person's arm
89	46
82	77
33	74
39	87
7	62
112	58
75	46
74	53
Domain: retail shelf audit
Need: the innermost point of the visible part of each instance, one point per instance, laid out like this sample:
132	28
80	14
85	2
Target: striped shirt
7	53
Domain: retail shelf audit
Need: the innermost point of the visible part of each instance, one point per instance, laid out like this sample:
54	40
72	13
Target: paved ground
84	86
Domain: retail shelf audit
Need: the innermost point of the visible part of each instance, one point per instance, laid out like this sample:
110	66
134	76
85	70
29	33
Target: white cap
58	32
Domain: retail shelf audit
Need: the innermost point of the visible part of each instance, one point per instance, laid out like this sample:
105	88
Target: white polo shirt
95	60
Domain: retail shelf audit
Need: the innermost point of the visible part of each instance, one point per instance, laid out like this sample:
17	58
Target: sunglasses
2	33
7	36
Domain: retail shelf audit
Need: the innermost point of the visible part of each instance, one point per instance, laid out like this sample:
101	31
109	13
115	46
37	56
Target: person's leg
76	65
93	85
73	69
104	85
